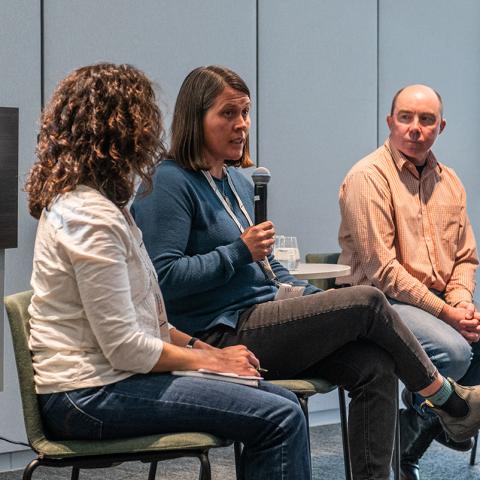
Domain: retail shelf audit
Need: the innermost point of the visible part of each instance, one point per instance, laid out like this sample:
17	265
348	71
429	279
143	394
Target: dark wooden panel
8	177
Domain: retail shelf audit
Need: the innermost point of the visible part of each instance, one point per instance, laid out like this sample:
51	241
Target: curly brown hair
197	94
101	128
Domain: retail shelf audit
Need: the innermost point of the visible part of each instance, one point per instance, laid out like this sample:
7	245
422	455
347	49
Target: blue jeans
267	420
447	349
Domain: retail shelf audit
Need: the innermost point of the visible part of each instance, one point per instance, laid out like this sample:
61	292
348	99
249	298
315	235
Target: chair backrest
326	283
17	310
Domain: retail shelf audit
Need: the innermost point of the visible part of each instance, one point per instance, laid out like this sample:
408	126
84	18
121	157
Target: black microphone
261	176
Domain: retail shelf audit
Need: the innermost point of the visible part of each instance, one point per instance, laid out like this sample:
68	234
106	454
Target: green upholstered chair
91	454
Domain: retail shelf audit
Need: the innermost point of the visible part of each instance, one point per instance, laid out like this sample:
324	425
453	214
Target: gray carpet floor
438	463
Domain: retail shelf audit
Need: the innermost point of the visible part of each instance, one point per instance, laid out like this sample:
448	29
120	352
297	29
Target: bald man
405	230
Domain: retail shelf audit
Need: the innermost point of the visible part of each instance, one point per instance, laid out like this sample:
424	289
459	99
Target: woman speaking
222	284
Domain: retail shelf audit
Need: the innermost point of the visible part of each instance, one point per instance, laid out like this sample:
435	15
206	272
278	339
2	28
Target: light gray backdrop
325	70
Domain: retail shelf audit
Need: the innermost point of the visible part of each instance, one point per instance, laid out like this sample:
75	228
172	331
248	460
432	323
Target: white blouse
97	312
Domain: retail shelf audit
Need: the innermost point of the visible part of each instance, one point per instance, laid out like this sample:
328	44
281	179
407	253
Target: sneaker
461	428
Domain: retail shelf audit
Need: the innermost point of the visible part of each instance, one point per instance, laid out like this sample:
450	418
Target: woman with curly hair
101	344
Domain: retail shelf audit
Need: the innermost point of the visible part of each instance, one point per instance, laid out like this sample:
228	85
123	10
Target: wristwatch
191	342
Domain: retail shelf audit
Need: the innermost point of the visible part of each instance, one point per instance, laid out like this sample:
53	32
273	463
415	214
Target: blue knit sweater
205	271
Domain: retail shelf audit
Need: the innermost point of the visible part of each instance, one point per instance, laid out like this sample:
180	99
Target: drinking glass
286	251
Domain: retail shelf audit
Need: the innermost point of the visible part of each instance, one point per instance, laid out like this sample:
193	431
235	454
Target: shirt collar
401	161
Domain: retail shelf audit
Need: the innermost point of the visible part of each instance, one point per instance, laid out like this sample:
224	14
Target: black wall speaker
8	177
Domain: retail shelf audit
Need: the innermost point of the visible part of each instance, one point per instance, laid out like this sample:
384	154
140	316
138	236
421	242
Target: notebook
249	380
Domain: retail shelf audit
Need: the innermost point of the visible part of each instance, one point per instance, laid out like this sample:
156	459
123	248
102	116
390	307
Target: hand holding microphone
260	238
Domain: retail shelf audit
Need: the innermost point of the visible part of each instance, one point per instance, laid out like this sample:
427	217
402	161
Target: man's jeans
268	420
351	337
448	350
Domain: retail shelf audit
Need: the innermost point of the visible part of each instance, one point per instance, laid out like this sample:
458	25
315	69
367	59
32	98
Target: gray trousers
351	337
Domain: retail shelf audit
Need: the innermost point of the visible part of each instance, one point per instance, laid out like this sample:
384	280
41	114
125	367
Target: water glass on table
286	251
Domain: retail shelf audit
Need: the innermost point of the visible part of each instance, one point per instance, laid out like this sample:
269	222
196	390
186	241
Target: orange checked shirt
407	233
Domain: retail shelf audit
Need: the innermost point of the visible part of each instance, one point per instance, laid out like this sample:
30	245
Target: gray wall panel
164	38
20	87
317	109
318	106
438	45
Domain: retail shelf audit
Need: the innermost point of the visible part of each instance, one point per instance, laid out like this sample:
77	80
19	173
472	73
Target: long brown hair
101	128
197	94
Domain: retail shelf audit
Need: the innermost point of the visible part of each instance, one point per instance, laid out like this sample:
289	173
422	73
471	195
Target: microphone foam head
261	175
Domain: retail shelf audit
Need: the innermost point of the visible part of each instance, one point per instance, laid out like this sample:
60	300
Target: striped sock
441	395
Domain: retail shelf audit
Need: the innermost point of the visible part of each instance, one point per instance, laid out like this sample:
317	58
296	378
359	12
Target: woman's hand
237	359
259	239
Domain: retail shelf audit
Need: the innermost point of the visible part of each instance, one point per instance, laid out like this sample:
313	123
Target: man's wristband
191	342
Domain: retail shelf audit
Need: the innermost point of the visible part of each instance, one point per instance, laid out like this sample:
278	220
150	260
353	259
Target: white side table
315	271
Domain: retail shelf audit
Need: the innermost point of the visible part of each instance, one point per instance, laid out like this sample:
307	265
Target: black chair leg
30	468
396	447
75	473
152	471
205	470
473	453
344	424
303	400
237	448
